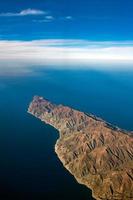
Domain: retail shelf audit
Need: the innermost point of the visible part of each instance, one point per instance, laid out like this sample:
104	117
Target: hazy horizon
62	34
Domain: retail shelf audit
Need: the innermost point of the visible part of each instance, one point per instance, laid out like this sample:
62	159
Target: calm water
29	168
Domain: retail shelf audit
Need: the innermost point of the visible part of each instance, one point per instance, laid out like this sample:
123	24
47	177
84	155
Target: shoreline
96	153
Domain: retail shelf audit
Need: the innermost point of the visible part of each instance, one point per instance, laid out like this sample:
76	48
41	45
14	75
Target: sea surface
29	167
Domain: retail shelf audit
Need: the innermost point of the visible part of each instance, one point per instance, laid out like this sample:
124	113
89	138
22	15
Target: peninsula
98	154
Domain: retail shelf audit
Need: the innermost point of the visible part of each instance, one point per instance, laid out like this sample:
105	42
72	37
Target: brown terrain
98	154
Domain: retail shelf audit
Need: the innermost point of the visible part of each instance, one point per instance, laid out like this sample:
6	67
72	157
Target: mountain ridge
98	154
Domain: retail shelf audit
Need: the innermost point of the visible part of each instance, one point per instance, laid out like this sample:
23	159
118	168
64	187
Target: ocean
29	167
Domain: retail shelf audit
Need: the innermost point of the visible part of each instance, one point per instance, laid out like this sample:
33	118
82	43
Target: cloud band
66	53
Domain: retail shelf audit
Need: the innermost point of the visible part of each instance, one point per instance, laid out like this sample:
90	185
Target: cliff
98	154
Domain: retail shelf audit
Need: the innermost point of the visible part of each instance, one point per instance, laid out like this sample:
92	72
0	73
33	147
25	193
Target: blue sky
71	19
79	33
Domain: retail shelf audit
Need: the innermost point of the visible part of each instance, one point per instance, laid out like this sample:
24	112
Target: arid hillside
98	154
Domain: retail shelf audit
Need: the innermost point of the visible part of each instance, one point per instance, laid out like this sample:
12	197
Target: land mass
98	154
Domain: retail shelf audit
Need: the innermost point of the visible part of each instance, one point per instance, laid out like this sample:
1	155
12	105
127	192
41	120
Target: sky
72	30
73	19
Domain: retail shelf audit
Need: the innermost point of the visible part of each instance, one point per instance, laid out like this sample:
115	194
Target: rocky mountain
98	154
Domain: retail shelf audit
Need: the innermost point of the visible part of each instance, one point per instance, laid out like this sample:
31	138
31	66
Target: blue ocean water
29	167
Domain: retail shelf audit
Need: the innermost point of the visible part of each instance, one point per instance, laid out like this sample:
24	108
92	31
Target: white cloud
65	53
47	18
26	12
50	17
69	17
66	18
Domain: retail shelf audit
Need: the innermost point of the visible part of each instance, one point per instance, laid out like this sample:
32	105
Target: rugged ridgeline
98	154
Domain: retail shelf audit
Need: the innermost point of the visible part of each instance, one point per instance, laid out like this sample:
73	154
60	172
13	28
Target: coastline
107	172
79	181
